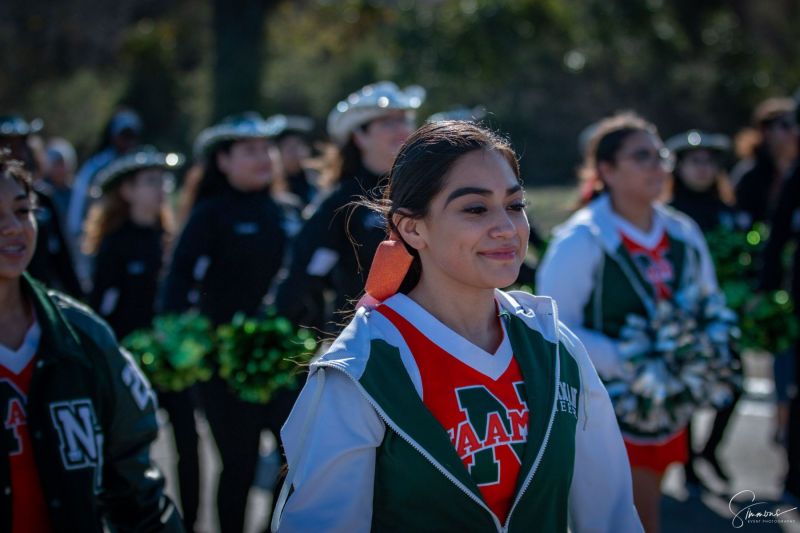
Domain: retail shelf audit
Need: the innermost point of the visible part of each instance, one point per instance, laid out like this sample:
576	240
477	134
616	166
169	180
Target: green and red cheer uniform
404	425
600	269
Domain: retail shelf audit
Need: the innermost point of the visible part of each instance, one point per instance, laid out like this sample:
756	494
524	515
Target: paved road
748	452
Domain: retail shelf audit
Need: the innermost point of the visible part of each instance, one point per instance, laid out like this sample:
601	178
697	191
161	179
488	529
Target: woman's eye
475	209
518	206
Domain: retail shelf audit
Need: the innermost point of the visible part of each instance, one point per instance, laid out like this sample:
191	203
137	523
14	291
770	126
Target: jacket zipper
423	452
538	460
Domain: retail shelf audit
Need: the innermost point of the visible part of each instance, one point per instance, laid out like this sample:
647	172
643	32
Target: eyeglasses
662	158
784	124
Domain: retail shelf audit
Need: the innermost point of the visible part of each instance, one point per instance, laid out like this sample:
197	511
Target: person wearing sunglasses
769	150
624	255
785	230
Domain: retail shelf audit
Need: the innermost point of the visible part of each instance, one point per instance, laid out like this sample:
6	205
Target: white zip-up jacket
336	429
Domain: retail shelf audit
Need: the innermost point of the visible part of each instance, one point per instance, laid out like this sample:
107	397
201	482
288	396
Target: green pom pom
174	352
258	356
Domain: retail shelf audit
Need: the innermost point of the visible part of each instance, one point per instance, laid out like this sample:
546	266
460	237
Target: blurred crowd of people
262	214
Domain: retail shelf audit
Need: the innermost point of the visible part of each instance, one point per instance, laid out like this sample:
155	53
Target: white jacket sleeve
601	495
333	480
567	274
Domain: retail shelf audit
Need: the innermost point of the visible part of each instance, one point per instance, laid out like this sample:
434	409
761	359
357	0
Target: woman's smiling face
475	232
17	228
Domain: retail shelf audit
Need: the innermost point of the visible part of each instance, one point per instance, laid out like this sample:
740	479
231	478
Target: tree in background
239	42
544	68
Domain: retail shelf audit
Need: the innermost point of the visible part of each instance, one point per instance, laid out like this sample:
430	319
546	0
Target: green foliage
76	106
544	68
767	319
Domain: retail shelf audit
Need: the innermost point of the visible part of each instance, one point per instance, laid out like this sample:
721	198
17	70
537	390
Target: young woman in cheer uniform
620	256
78	417
447	404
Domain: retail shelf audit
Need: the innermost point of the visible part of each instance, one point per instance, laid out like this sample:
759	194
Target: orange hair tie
389	267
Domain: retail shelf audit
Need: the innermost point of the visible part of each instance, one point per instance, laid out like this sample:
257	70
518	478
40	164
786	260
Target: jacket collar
598	219
59	338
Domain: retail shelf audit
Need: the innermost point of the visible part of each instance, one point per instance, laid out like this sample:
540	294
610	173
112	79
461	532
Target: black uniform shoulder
342	197
119	238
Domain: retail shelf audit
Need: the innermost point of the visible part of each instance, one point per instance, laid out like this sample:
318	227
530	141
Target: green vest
421	484
621	290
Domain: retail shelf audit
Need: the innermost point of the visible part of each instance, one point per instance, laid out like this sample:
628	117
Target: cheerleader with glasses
613	267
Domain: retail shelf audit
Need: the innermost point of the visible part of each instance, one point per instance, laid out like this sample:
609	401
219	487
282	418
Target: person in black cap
336	245
292	141
224	262
59	173
701	189
52	264
121	135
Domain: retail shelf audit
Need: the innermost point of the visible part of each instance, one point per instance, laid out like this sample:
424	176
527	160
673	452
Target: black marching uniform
224	262
52	261
126	271
785	228
334	249
126	274
708	210
300	185
756	191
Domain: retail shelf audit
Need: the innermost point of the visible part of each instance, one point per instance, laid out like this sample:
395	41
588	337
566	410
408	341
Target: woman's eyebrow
463	191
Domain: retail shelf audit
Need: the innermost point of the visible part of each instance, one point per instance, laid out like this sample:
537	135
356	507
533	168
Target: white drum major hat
140	158
248	125
369	103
